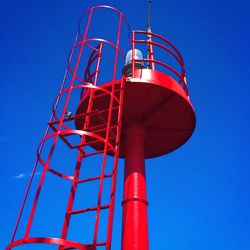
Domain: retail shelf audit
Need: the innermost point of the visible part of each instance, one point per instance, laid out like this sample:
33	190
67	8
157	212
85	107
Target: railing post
150	50
133	54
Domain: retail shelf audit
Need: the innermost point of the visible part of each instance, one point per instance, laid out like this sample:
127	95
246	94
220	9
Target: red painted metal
101	126
161	105
160	102
138	116
135	225
159	118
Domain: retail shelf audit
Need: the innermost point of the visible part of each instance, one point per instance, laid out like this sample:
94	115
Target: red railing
151	61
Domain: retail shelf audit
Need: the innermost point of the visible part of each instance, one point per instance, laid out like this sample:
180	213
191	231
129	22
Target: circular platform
154	100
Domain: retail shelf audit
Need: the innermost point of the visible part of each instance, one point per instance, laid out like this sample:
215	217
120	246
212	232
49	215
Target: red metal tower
141	113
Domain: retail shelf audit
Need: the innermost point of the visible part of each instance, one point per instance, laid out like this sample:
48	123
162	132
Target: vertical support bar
133	54
33	209
115	168
117	140
110	112
40	149
149	40
71	197
92	90
97	70
79	157
135	225
150	51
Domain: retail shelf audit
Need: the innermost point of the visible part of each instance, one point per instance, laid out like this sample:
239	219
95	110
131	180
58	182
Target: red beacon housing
140	108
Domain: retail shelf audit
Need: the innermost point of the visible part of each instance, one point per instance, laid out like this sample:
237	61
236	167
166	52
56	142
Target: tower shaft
135	225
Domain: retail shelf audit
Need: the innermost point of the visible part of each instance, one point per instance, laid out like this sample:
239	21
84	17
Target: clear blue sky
199	195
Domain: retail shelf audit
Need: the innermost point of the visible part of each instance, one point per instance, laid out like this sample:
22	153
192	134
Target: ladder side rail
77	172
115	167
56	137
40	150
112	98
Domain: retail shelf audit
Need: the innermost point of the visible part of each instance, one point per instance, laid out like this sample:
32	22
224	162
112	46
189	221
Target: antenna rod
150	49
149	16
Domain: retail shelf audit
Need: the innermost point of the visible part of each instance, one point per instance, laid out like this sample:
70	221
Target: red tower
137	111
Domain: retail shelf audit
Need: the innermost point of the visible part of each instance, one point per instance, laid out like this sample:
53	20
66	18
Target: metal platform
157	102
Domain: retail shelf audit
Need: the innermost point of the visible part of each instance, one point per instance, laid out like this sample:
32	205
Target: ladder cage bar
86	86
76	176
58	129
107	134
39	150
52	149
115	168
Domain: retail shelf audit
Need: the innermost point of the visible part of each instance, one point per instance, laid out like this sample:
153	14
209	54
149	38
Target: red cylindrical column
135	224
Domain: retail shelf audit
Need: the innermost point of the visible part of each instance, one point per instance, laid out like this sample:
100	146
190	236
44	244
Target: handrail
161	38
171	50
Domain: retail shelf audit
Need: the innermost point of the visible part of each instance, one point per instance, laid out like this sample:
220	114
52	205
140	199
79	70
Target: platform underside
154	100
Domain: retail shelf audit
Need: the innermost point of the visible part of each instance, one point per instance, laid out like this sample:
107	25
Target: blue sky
199	195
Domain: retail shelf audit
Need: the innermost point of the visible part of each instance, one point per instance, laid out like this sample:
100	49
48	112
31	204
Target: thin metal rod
79	157
149	16
115	167
60	131
150	47
111	104
56	137
39	151
117	147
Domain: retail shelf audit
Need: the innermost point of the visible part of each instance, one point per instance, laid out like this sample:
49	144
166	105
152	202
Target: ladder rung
93	153
89	246
99	95
102	130
87	209
73	117
103	121
104	94
117	89
111	148
109	151
87	143
101	244
107	109
103	111
94	178
96	127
